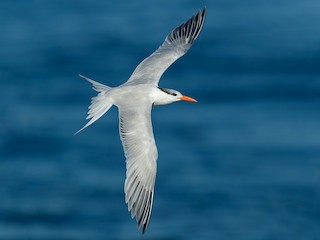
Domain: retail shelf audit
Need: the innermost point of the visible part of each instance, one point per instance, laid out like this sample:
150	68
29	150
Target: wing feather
176	44
141	155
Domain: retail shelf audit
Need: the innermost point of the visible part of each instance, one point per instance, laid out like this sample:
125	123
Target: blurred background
243	163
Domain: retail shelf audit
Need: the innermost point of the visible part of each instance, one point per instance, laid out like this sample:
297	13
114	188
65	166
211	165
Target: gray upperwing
176	44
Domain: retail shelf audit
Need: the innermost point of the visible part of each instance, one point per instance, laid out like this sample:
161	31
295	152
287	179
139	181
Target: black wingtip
199	17
204	10
189	30
144	229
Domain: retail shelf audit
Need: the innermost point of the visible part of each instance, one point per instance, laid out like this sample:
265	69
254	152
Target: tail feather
100	104
95	85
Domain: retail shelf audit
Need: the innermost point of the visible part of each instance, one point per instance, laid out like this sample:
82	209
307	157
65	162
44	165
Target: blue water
243	163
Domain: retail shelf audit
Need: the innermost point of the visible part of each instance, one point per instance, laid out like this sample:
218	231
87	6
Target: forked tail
100	104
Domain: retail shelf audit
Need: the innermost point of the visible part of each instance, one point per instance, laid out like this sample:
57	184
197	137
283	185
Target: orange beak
188	99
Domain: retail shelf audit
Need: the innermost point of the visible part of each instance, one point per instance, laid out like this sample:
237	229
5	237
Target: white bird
134	100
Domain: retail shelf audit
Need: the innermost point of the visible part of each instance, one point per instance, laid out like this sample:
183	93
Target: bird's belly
132	95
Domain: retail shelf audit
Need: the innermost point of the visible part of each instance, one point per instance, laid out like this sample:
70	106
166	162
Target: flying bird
134	100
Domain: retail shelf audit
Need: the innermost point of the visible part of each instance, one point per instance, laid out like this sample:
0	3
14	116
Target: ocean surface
243	163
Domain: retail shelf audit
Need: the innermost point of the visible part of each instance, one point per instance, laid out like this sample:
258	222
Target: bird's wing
176	44
141	155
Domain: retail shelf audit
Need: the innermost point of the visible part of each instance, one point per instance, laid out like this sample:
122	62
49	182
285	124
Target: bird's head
167	96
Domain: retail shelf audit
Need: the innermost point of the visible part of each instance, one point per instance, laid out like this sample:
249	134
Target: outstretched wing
176	44
141	155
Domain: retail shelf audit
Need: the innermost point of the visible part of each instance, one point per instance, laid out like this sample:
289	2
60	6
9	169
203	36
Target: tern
134	100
